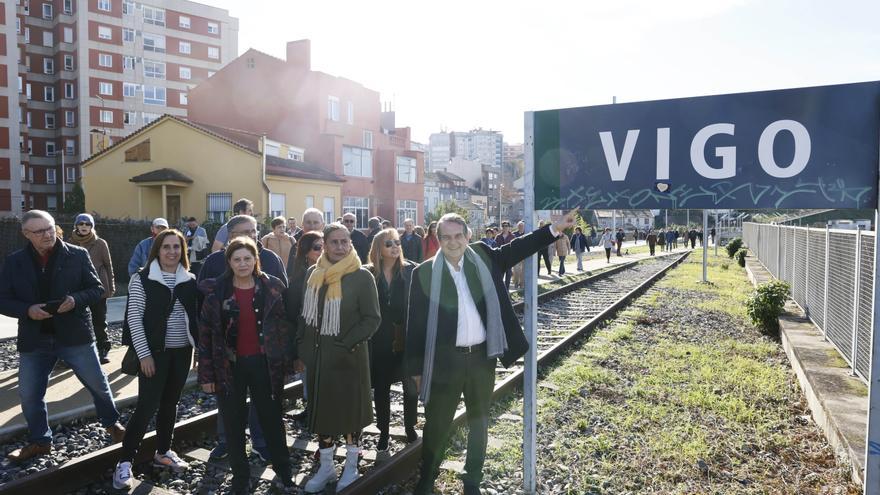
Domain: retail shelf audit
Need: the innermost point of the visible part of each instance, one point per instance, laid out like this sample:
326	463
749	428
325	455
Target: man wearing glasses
358	238
49	285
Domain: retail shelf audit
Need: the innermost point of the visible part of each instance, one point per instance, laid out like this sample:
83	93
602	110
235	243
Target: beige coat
100	255
563	245
279	245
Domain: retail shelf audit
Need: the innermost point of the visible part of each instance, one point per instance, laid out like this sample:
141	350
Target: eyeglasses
317	247
348	221
392	242
83	223
42	232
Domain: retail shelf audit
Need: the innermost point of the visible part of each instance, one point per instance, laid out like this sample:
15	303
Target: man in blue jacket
142	250
48	286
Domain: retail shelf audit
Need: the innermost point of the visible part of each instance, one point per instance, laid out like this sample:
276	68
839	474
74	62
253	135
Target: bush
725	266
765	304
733	246
741	257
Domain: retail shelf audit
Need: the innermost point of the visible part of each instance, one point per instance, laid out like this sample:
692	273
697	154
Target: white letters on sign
619	166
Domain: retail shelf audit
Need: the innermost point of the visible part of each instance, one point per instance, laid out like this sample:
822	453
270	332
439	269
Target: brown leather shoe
116	432
30	451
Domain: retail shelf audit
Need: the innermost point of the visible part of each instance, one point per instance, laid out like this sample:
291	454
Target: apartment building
92	71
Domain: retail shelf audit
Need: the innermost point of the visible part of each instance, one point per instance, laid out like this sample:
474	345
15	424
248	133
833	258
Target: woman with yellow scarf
340	313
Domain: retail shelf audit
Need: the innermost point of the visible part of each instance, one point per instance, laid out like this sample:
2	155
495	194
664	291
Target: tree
444	208
75	202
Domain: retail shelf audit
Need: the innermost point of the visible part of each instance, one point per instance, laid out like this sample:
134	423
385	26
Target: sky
459	65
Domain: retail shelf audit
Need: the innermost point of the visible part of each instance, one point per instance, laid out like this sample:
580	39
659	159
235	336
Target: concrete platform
838	401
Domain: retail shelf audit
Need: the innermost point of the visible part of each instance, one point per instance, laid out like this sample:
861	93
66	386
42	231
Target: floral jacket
218	327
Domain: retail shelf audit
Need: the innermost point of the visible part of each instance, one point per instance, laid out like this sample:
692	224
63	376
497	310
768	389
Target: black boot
383	441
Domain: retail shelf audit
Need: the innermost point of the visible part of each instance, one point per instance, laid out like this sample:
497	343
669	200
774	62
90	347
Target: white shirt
470	326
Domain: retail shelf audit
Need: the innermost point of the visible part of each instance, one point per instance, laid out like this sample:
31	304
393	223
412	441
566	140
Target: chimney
299	53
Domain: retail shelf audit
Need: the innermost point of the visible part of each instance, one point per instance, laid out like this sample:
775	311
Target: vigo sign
797	148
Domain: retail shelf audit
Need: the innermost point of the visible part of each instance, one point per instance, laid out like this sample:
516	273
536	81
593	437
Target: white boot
326	472
350	472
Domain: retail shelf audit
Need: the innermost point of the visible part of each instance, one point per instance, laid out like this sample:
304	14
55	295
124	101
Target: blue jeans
258	441
33	378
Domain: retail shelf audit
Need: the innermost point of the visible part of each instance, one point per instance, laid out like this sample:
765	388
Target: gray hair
32	214
238	220
333	227
453	218
315	211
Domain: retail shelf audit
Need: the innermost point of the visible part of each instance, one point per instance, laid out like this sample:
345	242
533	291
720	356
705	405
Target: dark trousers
608	254
99	322
619	245
160	392
507	276
545	255
693	243
382	401
474	375
562	265
651	246
251	373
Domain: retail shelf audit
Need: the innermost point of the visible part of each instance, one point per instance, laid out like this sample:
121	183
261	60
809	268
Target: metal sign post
530	319
717	231
872	434
705	241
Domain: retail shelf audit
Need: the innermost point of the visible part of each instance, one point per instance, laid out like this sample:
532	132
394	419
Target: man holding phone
49	285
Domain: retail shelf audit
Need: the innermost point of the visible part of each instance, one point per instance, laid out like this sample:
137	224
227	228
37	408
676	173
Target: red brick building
338	122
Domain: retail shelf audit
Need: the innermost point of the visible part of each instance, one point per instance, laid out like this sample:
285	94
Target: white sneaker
171	461
122	476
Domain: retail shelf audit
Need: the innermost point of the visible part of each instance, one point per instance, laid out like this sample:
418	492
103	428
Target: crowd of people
350	313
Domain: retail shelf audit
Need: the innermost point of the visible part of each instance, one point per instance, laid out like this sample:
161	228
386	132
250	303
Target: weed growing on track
678	394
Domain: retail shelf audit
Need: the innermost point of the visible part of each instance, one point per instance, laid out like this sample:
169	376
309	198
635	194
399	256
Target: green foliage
766	303
444	208
741	257
733	246
75	202
725	266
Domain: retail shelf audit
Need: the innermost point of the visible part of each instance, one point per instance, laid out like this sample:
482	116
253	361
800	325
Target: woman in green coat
340	313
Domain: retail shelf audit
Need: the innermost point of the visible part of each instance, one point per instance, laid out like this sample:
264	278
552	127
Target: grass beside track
678	394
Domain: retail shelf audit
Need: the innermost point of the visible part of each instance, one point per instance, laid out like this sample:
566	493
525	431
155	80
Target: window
129	89
406	208
69	91
357	162
129	118
185	47
48	66
127	62
183	22
69	118
406	170
105	60
70	149
30	150
127	7
277	203
213	52
20	84
128	35
49	93
23	173
68	62
368	139
185	73
105	33
350	115
18	25
28	90
333	108
310	201
154	69
219	207
27	35
154	43
361	209
104	5
68	35
49	119
71	172
50	151
329	207
154	95
52	201
154	16
106	116
68	6
50	172
148	117
213	28
183	98
28	119
48	39
293	154
105	88
47	11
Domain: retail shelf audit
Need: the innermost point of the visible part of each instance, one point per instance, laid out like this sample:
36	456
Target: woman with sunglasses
393	274
431	244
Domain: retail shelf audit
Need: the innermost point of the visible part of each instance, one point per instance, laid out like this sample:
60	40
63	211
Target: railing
831	273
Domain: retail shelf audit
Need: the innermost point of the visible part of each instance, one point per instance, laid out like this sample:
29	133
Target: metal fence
831	273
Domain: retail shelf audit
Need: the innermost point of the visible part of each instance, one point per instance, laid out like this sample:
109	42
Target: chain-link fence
831	273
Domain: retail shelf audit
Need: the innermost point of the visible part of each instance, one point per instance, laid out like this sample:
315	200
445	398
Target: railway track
564	315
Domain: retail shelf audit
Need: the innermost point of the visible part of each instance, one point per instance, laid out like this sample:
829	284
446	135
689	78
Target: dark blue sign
796	148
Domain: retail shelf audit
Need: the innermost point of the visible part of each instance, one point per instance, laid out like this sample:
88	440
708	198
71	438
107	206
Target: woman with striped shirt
162	327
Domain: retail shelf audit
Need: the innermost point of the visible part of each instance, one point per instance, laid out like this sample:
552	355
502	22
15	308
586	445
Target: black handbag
131	365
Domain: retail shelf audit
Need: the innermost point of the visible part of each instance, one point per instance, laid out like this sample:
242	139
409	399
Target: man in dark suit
358	238
410	242
460	322
375	226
